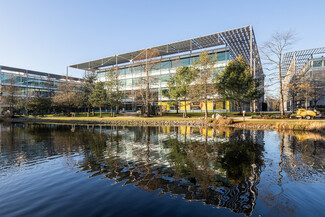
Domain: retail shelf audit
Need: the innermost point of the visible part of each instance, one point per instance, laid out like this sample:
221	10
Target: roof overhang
31	72
240	41
299	59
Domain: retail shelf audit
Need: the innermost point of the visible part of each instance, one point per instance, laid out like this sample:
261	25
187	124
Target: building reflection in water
219	167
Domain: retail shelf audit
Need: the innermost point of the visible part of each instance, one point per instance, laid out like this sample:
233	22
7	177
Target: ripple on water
158	171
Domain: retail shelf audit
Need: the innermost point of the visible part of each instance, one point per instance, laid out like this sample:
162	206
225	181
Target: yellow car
303	113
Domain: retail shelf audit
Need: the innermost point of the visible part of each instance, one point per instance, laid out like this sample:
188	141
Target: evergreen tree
86	89
179	86
236	83
39	104
98	97
114	95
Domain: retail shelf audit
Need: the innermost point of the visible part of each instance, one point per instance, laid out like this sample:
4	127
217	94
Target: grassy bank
282	124
118	118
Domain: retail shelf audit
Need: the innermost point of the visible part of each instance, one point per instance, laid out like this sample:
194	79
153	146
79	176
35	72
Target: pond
87	170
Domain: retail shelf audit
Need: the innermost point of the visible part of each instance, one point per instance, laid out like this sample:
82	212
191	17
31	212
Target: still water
67	170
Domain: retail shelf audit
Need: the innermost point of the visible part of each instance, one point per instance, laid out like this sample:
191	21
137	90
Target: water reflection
219	167
301	157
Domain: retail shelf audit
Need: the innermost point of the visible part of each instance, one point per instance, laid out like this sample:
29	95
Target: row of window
154	80
24	81
221	56
23	91
317	63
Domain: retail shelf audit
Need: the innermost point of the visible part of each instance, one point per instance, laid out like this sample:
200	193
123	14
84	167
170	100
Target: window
121	71
175	63
221	56
128	83
195	106
317	63
156	67
135	81
164	78
121	83
154	80
165	65
184	62
137	70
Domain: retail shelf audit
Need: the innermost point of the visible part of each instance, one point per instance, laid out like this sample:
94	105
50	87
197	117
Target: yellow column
227	105
182	106
210	105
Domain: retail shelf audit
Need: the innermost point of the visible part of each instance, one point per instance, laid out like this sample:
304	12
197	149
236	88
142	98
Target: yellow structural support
165	129
164	105
185	130
227	105
207	132
218	105
188	106
210	105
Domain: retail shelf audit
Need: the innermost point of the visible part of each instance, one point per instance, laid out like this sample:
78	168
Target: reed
301	125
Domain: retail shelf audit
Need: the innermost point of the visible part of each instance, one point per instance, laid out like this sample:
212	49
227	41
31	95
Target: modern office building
304	79
165	59
29	83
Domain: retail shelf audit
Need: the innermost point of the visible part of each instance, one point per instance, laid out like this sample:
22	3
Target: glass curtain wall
131	77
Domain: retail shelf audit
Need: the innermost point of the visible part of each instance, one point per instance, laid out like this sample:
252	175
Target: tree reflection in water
219	167
217	170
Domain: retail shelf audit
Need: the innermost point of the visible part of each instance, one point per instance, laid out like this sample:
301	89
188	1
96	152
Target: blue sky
48	35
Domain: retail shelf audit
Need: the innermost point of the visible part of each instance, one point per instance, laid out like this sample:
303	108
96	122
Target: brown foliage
302	125
223	121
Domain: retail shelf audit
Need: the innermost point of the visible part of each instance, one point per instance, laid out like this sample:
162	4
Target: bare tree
305	87
272	103
9	93
293	90
273	51
66	96
317	91
203	87
310	89
146	60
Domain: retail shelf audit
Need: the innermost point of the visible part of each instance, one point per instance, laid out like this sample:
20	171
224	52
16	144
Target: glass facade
314	73
132	76
30	83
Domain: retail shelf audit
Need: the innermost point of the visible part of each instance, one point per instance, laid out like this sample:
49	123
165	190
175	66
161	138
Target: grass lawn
82	114
227	114
118	118
107	115
173	117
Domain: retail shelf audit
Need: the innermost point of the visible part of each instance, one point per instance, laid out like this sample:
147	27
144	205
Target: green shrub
256	116
276	117
285	116
293	116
